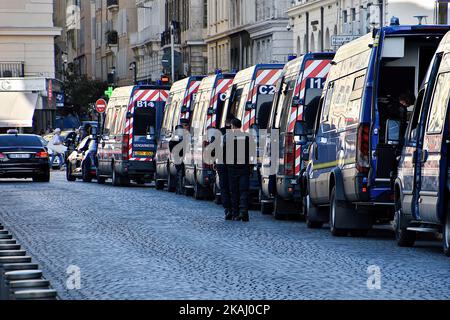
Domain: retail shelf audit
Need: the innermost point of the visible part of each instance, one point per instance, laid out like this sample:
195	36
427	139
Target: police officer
222	172
239	171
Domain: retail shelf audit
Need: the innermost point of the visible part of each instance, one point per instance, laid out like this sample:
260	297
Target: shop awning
17	109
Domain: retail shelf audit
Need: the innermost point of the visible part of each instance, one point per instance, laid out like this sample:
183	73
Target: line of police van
343	159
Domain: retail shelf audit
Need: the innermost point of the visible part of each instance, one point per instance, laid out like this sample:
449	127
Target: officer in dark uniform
222	172
239	171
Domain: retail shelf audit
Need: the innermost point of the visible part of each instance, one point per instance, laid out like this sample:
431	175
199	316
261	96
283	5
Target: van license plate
144	154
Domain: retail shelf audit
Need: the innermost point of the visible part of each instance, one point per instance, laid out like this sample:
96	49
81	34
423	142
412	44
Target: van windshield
144	122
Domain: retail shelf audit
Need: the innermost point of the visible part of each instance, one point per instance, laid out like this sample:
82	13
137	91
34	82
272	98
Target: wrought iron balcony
12	69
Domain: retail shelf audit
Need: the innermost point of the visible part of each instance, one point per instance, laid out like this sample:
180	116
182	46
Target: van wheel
405	238
172	183
266	207
116	179
69	175
337	232
279	209
306	209
101	180
159	184
140	182
446	236
198	191
85	171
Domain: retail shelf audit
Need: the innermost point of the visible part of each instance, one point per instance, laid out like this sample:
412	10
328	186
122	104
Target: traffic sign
101	106
337	41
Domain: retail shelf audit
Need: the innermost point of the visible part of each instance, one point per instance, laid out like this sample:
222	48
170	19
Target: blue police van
353	160
423	182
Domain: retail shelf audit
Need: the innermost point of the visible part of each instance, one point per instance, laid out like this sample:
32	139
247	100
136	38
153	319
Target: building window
345	16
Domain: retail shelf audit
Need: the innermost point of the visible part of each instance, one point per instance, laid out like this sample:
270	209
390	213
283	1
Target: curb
20	278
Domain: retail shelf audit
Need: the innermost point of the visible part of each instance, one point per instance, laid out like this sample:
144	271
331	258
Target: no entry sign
101	106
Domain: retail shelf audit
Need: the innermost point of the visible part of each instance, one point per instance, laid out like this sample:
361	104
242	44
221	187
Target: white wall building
146	42
315	22
27	62
245	32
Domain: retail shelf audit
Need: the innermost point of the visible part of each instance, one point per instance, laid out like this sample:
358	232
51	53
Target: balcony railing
12	69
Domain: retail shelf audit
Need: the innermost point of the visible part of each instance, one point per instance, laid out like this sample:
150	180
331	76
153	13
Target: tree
82	92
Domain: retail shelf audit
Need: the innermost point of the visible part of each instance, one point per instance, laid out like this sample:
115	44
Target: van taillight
289	155
363	149
125	147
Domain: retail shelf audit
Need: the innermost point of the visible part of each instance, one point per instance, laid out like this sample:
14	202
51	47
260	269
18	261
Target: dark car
24	156
82	163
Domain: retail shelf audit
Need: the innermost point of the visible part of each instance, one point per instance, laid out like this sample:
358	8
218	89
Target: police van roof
182	85
250	73
365	42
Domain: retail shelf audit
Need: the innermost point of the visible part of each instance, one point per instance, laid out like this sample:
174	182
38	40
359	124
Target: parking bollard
20	266
6	247
12	253
46	294
29	284
11	241
20	279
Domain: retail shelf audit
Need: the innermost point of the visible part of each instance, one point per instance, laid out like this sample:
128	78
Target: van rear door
261	96
147	118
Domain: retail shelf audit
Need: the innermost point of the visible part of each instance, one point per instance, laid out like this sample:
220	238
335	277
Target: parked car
296	104
353	163
82	163
199	175
250	99
179	106
422	185
24	156
127	146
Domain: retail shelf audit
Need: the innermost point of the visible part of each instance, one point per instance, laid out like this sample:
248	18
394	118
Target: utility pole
172	48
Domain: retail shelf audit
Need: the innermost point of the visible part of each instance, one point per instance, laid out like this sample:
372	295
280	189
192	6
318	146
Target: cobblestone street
139	243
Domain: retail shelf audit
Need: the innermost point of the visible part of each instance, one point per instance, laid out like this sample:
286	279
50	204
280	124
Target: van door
434	155
145	128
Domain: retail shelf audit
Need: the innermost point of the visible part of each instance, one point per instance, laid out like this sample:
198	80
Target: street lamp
172	48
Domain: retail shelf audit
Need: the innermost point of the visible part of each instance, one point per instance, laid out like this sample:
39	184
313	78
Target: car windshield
20	141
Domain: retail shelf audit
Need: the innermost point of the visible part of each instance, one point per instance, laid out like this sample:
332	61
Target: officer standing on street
239	171
180	130
222	172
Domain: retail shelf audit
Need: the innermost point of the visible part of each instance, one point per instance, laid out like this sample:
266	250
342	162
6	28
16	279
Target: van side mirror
210	111
249	106
300	133
393	132
184	109
129	115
